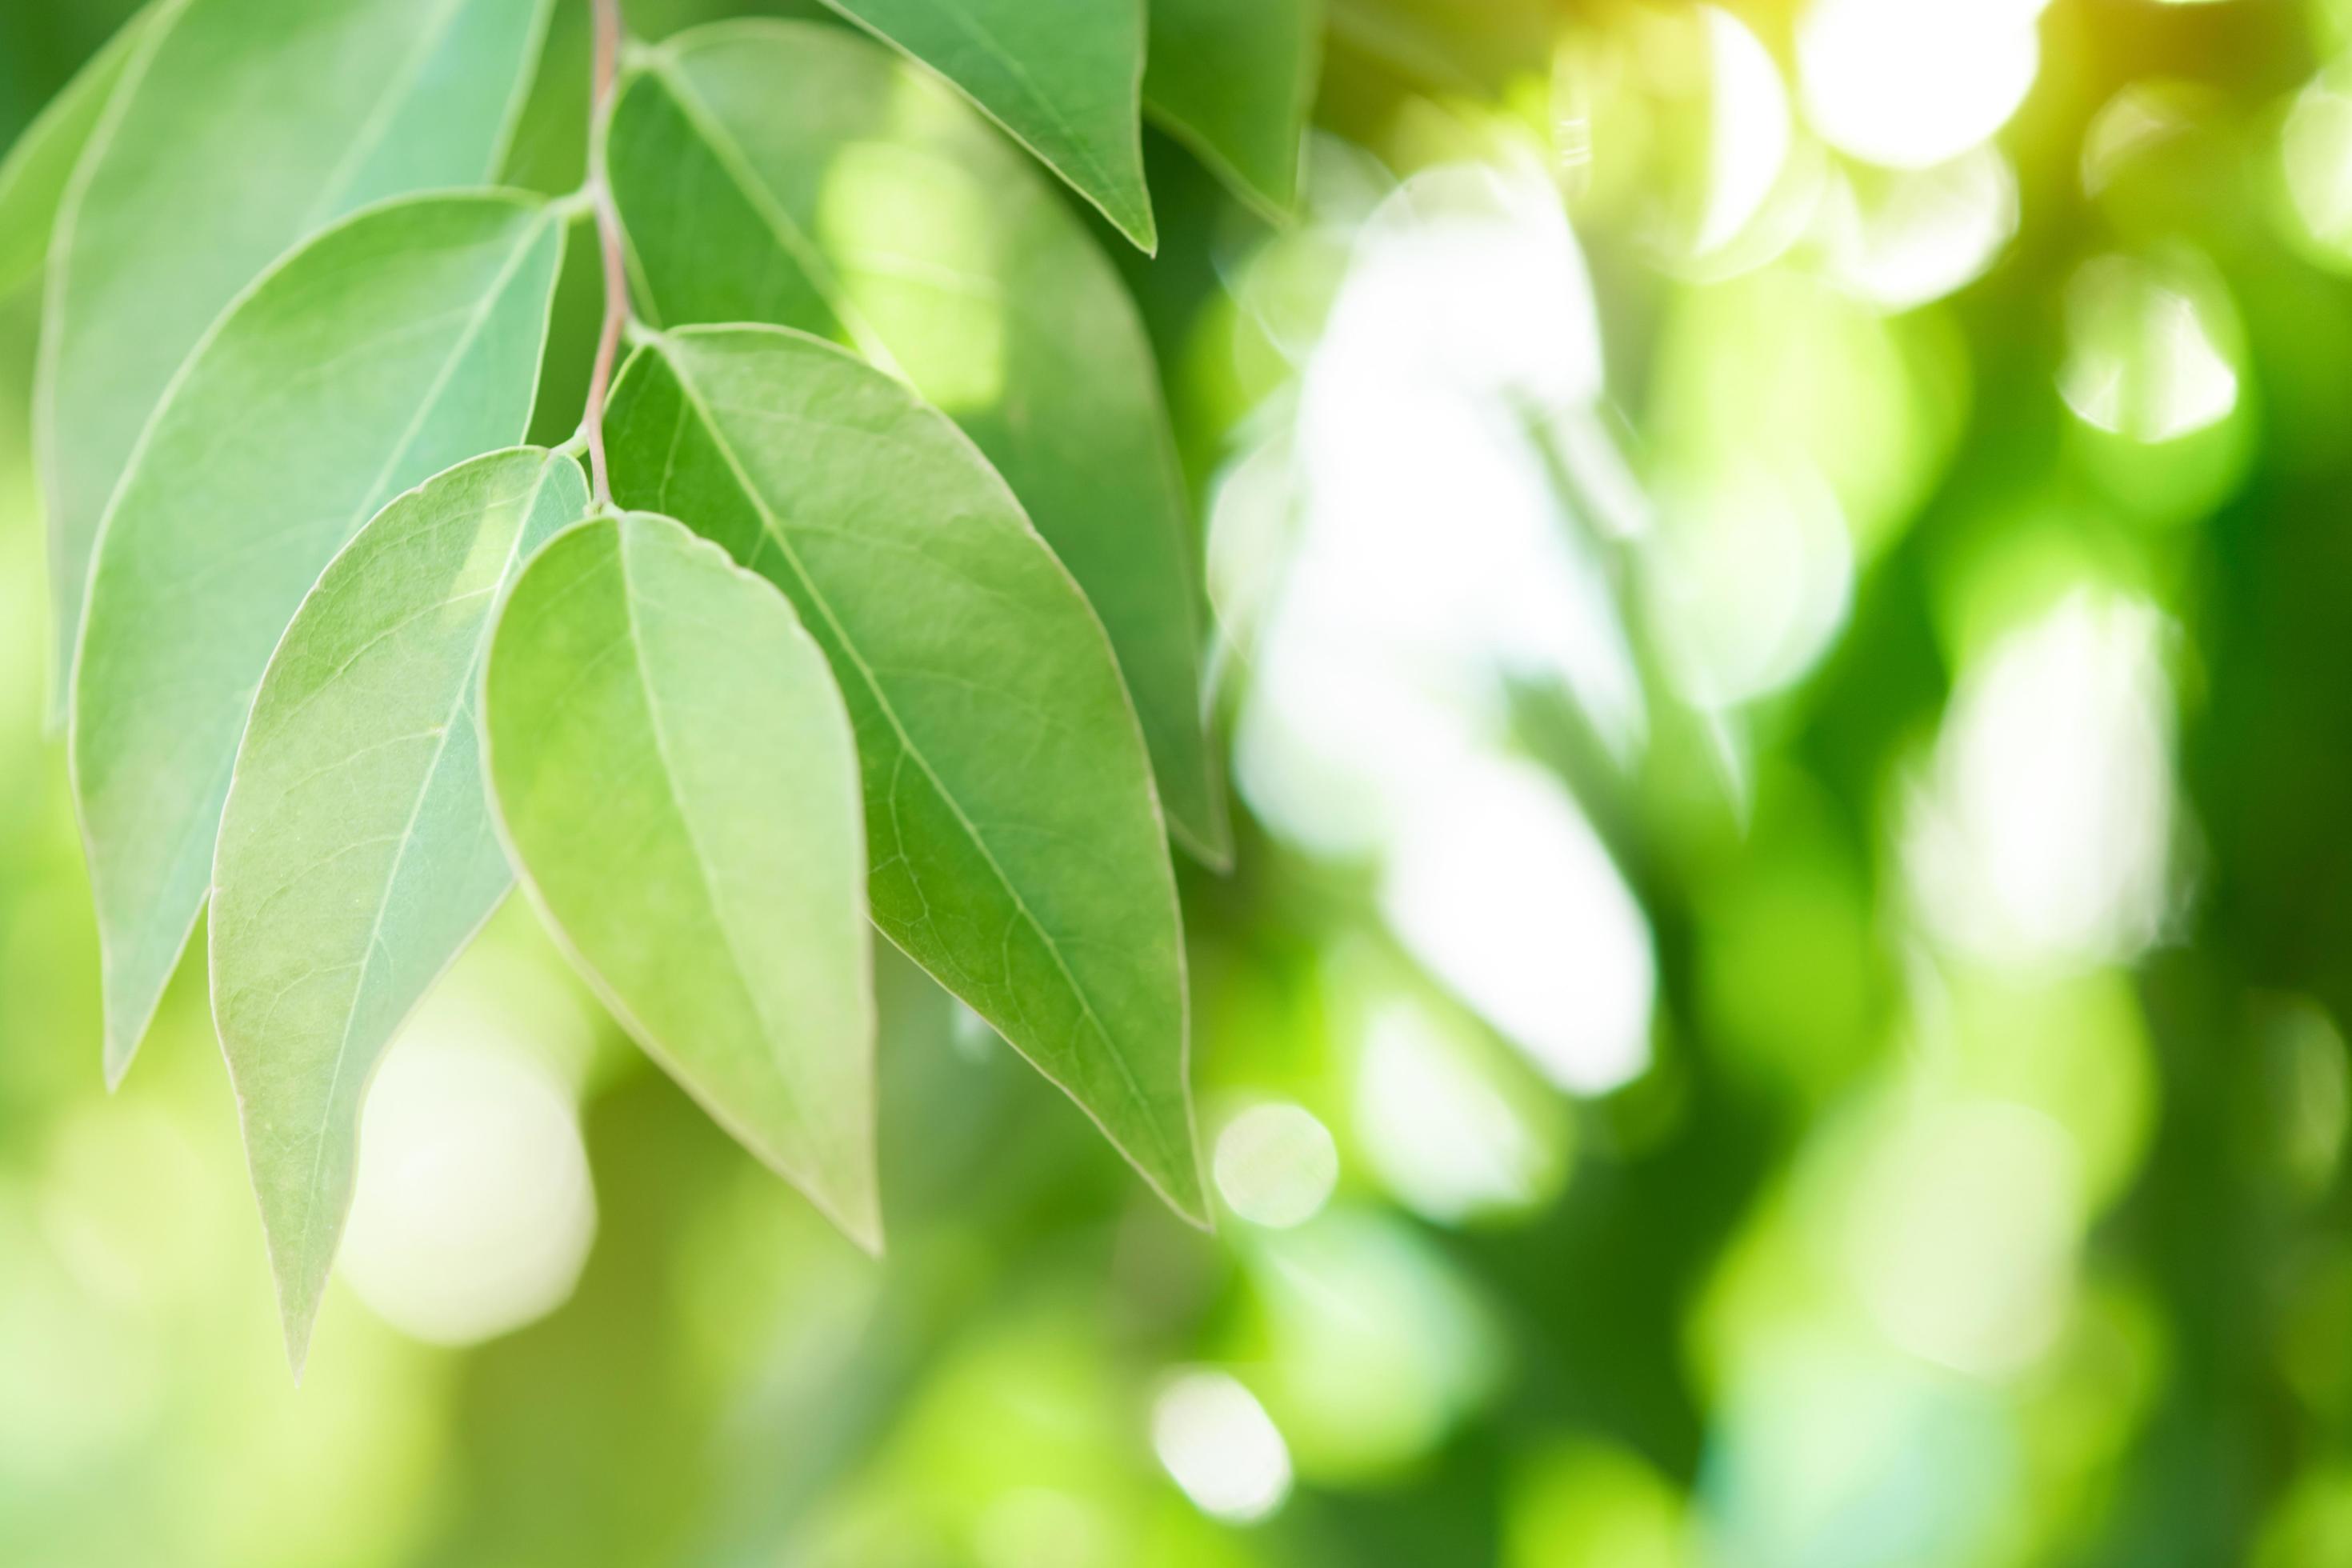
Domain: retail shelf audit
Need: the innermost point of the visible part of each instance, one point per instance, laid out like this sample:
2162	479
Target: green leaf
800	175
1234	79
240	127
32	179
1017	848
357	855
1065	77
389	348
676	781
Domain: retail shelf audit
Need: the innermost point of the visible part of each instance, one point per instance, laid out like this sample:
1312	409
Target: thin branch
608	240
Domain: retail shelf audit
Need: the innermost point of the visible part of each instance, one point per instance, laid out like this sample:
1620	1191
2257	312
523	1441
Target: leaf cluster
876	606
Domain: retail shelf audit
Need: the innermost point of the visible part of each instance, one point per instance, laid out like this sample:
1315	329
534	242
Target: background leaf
768	172
1063	75
357	854
1016	846
241	127
33	177
678	778
1234	79
386	349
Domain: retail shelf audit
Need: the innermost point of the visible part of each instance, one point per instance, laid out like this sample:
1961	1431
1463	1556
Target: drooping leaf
677	779
34	177
1065	77
801	176
357	854
1234	79
386	349
1017	848
239	128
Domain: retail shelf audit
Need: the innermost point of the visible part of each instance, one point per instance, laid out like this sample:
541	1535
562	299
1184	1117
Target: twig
608	239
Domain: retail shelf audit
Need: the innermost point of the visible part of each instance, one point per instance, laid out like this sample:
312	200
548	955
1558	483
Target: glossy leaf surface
240	128
678	781
1016	843
34	177
1234	79
385	350
357	855
1065	77
803	177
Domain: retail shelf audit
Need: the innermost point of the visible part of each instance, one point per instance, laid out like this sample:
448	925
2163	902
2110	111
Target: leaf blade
1017	850
361	760
188	189
631	651
291	425
1234	79
758	181
1062	76
34	177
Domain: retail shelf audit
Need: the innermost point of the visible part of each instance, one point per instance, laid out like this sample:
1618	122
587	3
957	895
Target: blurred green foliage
1974	1194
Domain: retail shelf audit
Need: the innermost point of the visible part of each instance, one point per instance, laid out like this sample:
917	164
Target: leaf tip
1181	1187
856	1213
298	1346
1131	213
1209	842
119	1051
129	1003
301	1288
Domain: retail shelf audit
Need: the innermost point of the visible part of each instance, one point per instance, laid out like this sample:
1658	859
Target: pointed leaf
1017	848
1065	77
381	352
33	177
240	127
677	779
1234	79
357	855
759	182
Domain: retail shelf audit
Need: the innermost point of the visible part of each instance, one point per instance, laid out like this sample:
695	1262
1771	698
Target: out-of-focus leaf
1460	46
240	128
357	854
383	352
1016	843
677	780
1065	77
1234	79
796	174
34	177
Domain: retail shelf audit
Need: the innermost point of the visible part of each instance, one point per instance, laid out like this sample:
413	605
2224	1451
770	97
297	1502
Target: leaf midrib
197	822
774	530
476	323
370	132
769	1032
399	859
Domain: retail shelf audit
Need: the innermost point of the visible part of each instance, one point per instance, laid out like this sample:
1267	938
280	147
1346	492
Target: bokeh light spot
1446	1129
1220	1446
1903	237
473	1211
1911	83
1962	1234
2044	832
1276	1164
1501	888
2150	347
1748	131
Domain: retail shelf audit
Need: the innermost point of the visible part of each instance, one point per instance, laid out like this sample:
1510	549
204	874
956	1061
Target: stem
608	240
